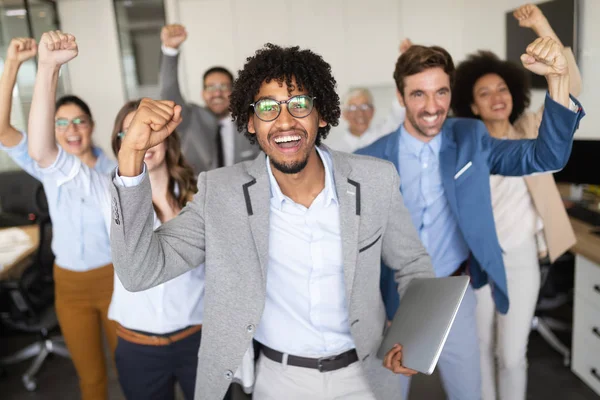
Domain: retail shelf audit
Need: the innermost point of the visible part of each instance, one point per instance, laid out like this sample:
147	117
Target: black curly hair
281	64
482	63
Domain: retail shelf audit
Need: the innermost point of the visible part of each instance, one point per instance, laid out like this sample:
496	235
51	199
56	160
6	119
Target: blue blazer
467	158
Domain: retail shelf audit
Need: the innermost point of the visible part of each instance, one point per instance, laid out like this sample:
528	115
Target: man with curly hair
445	164
291	241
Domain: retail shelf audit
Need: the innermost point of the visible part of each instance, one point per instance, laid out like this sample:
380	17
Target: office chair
556	290
32	302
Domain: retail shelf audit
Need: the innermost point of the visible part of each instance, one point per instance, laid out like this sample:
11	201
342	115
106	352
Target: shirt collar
414	145
277	197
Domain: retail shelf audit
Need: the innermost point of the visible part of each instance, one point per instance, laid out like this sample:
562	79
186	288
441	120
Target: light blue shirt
305	310
424	196
80	241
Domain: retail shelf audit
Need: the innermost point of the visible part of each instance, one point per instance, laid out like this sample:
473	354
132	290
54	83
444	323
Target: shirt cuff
169	51
572	106
19	148
129	181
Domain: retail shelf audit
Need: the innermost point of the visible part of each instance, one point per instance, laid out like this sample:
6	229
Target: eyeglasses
63	123
361	107
219	87
298	106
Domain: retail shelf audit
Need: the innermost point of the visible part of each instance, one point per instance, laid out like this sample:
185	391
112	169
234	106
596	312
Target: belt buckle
321	367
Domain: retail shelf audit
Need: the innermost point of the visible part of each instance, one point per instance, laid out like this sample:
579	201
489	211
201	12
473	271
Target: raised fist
152	123
405	45
529	15
173	36
545	57
21	49
57	48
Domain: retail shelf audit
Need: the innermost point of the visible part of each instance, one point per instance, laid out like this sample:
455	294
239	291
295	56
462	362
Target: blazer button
228	375
250	328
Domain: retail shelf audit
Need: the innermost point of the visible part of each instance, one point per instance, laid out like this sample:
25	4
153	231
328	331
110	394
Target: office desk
16	268
586	313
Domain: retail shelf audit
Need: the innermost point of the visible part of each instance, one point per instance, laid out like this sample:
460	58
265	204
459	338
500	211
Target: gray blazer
226	226
199	127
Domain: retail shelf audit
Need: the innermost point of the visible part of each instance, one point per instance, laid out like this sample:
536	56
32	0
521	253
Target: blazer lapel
448	154
257	196
348	193
392	150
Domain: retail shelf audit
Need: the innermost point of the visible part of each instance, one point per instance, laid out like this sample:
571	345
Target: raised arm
530	16
19	51
172	37
142	257
561	116
56	48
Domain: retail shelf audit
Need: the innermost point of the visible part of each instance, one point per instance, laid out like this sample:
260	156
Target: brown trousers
82	300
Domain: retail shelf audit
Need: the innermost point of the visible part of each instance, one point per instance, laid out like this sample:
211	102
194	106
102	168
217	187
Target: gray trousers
275	381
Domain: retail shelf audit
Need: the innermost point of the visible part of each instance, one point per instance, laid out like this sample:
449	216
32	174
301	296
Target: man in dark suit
208	135
444	166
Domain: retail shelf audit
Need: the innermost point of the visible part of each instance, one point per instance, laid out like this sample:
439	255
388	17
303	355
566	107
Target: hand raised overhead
152	123
57	48
173	35
21	49
545	57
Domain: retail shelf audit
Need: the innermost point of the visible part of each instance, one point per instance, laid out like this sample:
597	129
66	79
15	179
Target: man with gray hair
358	111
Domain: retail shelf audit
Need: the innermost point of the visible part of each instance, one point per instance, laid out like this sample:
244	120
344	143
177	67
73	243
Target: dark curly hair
273	62
482	63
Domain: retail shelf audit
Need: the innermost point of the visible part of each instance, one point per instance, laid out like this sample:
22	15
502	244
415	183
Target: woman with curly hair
158	329
531	221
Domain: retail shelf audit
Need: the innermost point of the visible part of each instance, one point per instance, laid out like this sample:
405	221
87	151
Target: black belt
325	364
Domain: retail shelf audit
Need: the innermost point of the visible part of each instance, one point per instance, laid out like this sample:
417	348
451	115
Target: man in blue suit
444	166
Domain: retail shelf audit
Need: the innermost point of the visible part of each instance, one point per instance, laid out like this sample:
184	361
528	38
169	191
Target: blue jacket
467	158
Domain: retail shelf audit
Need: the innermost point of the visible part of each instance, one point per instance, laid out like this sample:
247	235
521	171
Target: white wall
95	74
358	38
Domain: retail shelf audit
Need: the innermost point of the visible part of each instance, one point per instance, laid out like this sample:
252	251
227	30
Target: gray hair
356	92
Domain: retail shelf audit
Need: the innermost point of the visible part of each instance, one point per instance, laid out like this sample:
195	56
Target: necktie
219	145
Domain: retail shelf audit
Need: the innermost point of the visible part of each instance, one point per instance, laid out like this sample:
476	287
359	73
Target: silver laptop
423	321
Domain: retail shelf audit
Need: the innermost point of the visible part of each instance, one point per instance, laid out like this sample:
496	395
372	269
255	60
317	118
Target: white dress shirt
165	308
305	310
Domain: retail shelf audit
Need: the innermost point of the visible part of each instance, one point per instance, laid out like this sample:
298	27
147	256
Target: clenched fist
405	45
545	57
529	15
57	48
173	36
21	50
152	123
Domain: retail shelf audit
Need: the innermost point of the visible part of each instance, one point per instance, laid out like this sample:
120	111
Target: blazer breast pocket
370	241
464	173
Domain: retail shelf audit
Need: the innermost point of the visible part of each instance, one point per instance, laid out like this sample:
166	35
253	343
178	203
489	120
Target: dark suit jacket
200	126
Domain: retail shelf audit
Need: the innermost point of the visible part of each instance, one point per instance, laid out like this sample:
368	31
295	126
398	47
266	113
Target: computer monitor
582	167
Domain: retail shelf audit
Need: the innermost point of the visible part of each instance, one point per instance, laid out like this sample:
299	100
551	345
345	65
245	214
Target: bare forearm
543	29
42	144
558	89
131	162
9	136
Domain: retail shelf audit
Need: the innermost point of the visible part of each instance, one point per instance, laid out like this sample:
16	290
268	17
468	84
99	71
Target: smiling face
73	129
426	98
217	89
492	100
359	113
288	141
